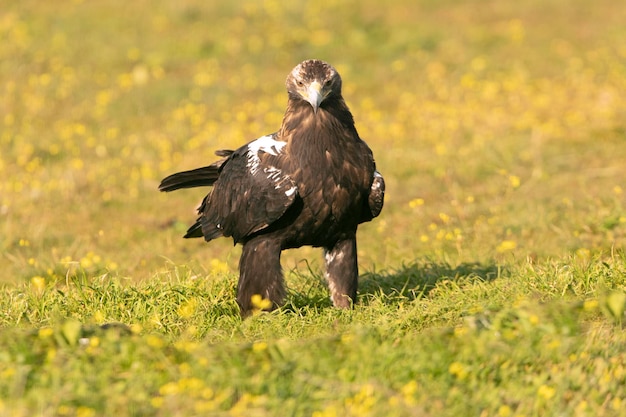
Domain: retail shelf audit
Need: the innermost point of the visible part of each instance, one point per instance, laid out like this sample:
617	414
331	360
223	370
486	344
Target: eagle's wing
251	193
375	199
377	194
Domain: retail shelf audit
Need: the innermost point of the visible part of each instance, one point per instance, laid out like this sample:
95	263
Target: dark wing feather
375	198
200	177
196	229
224	152
377	194
247	197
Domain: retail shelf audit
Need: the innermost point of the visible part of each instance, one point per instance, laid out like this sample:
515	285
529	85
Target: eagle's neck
331	118
326	140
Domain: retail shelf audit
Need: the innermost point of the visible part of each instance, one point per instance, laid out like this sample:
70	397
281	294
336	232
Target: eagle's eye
300	83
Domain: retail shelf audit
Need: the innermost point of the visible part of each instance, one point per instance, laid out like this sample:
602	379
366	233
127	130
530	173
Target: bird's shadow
417	279
409	282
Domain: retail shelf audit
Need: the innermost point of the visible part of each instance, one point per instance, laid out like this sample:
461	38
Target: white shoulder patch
266	144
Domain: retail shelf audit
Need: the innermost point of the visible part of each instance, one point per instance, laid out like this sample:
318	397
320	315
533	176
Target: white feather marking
328	256
331	286
275	175
376	184
331	256
335	296
266	144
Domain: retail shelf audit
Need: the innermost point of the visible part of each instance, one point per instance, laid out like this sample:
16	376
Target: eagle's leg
342	272
260	274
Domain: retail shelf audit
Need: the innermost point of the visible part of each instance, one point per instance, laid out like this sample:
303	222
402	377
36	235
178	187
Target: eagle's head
313	81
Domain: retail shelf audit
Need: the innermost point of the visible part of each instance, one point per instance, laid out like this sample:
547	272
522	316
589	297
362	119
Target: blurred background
500	126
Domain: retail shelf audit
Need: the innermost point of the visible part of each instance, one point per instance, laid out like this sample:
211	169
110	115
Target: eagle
311	183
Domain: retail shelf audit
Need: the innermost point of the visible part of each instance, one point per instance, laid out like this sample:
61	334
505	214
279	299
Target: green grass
493	283
426	339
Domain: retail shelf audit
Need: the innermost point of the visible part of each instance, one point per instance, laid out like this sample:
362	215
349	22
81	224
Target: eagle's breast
331	170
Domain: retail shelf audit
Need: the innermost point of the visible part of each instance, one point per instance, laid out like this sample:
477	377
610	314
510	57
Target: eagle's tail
200	177
194	231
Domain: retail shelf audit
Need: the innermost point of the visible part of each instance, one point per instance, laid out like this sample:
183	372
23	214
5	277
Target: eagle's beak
314	95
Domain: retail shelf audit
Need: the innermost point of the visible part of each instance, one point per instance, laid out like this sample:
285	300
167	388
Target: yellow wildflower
506	245
546	392
260	303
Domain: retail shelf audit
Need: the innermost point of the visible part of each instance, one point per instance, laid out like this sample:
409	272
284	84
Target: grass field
493	283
